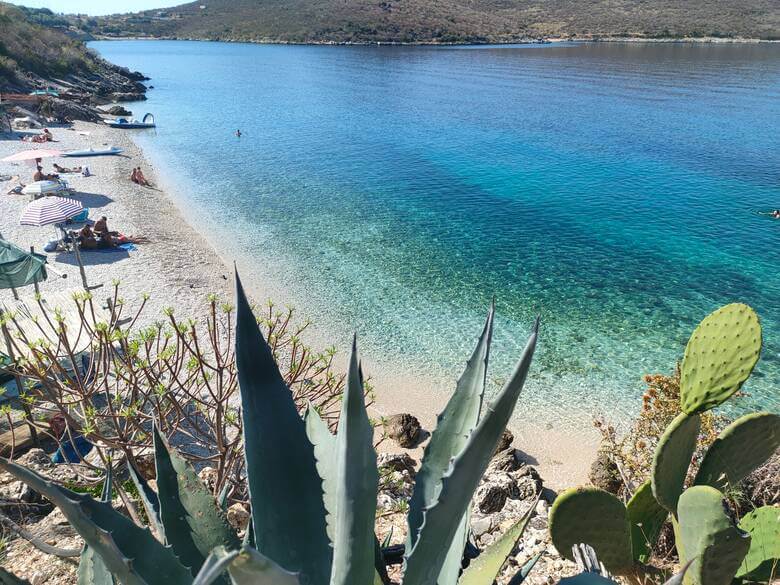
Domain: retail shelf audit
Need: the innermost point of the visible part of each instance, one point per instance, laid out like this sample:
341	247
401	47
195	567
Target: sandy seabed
179	268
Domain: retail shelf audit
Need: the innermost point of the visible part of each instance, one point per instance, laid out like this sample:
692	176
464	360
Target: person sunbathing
141	179
39	175
101	226
60	169
87	239
138	178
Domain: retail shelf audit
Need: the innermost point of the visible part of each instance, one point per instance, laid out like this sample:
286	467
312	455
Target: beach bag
51	246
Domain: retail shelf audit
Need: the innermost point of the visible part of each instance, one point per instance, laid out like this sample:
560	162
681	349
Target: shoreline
181	266
528	41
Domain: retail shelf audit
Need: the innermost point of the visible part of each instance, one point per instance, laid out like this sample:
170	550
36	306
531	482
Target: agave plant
312	493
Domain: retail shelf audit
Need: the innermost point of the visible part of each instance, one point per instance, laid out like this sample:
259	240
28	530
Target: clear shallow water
610	188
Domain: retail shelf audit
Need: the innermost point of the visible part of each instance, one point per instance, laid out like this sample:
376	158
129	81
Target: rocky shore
508	491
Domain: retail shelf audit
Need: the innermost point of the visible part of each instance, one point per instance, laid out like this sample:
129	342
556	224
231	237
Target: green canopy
19	268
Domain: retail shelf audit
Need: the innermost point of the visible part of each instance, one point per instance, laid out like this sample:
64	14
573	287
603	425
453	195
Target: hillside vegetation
441	21
29	47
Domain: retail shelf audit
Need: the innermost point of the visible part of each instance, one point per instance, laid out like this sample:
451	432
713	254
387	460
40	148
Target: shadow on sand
94	257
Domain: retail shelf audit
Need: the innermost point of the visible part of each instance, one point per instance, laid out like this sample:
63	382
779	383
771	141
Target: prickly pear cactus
763	525
742	447
672	458
592	516
719	357
646	517
709	537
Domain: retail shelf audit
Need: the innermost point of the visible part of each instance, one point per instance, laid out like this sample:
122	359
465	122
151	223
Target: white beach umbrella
50	210
33	154
43	188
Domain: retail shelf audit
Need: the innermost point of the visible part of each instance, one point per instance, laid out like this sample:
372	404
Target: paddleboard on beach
92	152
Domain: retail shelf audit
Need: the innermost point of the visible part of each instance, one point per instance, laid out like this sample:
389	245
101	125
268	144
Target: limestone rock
404	429
604	474
397	462
504	442
238	516
119	111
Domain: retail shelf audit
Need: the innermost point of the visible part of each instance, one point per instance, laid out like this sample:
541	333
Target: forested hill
425	21
40	50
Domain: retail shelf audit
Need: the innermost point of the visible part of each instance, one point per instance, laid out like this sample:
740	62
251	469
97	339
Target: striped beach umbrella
50	210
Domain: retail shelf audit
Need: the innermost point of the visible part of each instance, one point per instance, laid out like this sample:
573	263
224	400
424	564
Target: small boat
47	92
92	152
147	122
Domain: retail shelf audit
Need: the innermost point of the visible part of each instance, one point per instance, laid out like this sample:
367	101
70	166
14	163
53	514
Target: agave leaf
214	565
150	501
587	579
325	453
129	551
678	578
388	538
525	570
484	569
92	570
249	535
8	578
194	523
288	514
250	567
441	520
453	428
357	481
453	562
222	498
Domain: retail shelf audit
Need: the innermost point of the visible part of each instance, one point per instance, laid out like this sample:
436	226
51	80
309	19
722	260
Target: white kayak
92	152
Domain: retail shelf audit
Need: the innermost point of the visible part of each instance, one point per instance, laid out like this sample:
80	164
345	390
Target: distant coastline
519	41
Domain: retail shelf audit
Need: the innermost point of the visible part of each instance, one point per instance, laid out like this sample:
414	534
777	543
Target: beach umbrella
32	155
50	210
43	188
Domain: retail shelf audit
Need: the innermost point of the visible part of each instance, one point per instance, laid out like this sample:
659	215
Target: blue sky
97	7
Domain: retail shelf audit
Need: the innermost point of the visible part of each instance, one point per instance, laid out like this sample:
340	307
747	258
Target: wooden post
75	245
35	282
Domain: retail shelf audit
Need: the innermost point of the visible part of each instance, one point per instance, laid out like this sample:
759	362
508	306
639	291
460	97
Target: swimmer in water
238	133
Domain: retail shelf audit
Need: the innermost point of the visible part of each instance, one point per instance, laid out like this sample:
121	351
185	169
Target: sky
97	7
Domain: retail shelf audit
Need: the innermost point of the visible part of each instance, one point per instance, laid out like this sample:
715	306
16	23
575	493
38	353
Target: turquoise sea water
611	188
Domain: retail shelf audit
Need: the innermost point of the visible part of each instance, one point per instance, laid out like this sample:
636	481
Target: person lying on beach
60	169
17	190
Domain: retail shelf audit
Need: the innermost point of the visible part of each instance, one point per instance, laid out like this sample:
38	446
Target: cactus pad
594	517
763	525
646	517
672	458
719	357
741	448
709	537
